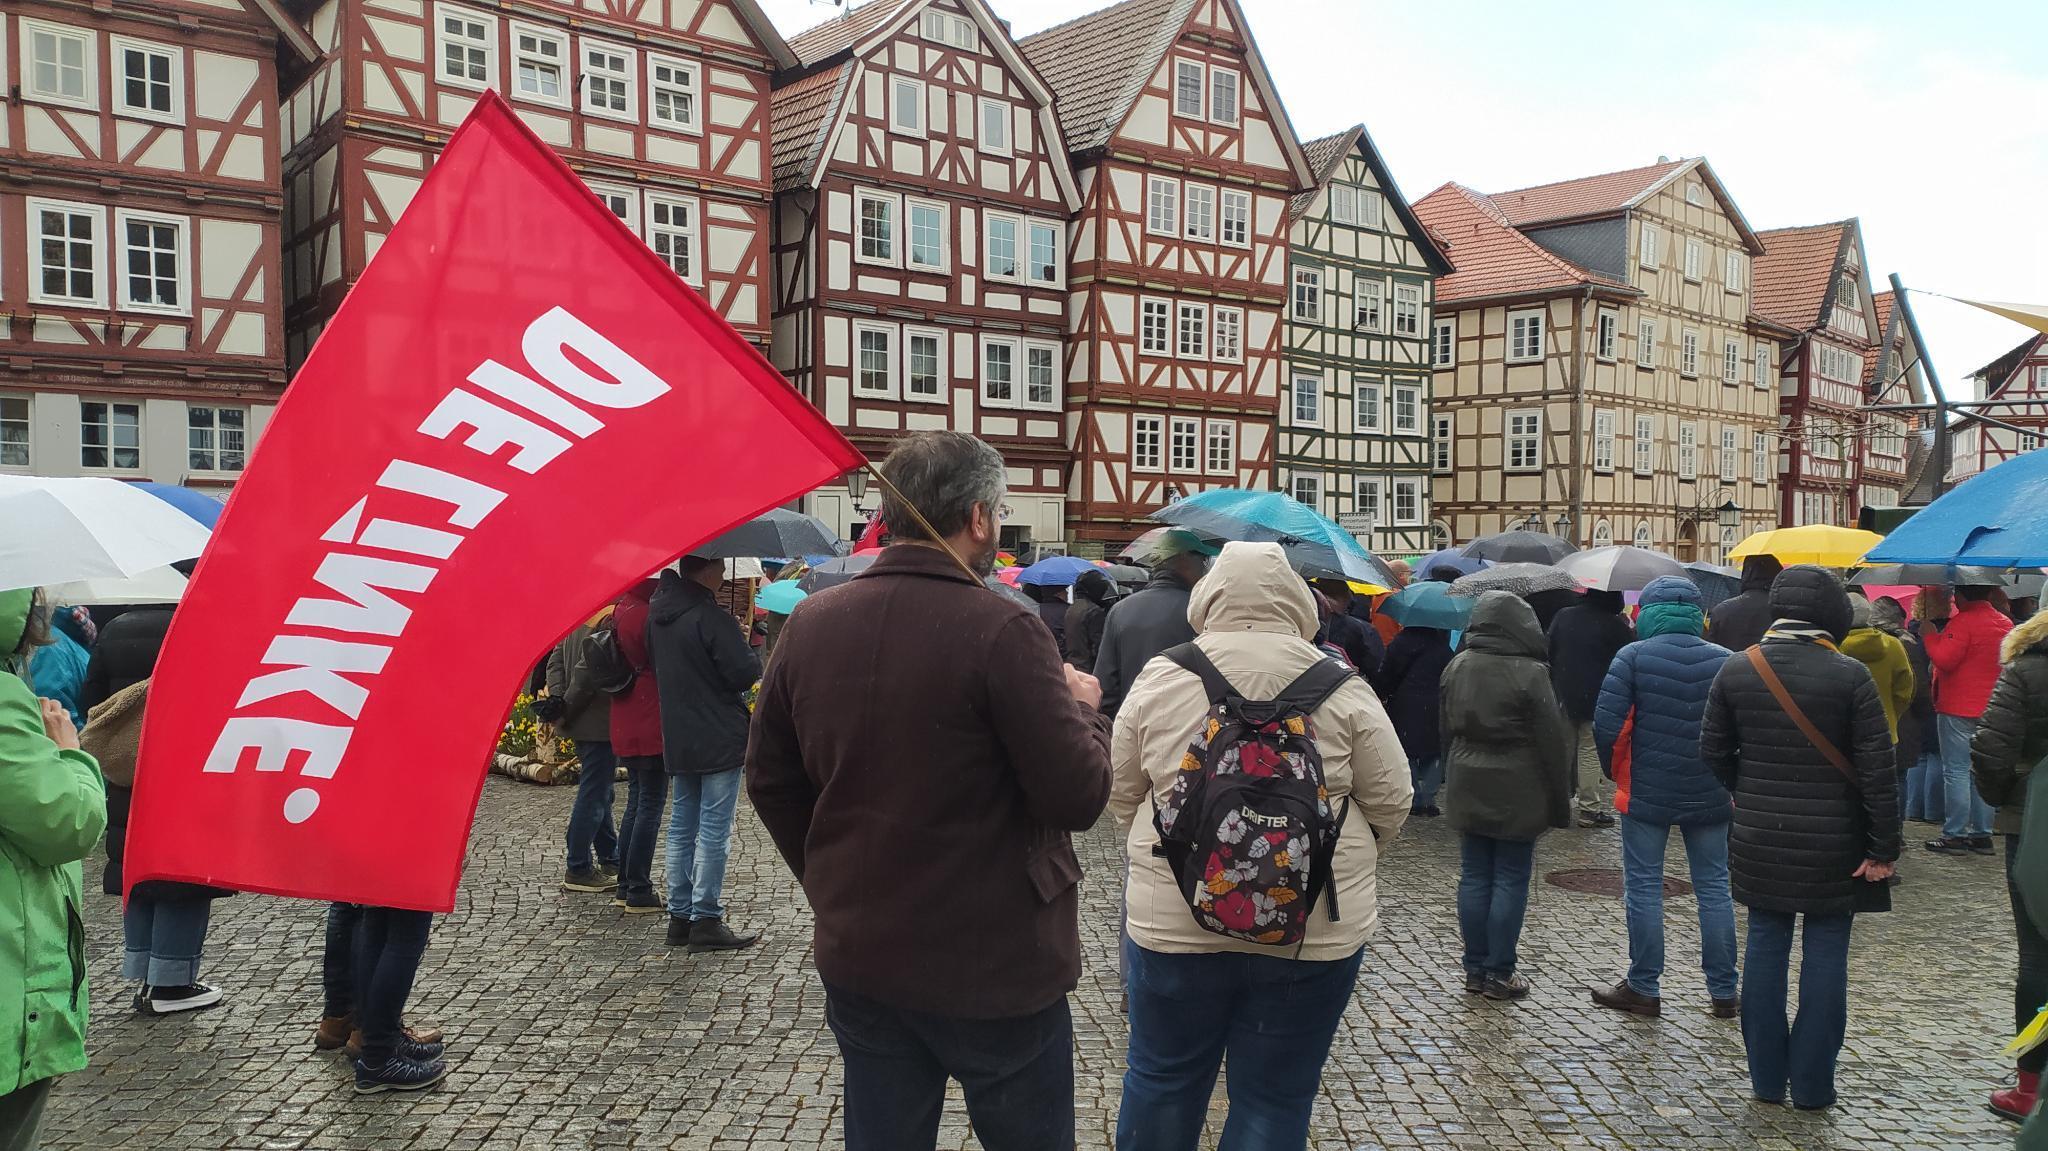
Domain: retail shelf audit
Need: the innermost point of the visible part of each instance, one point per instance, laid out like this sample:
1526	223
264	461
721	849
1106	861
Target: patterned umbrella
1521	547
1523	580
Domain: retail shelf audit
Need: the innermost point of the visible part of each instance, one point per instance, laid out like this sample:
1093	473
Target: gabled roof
1491	257
1099	64
841	32
1327	154
1994	376
1920	474
803	113
1896	354
1793	282
1611	194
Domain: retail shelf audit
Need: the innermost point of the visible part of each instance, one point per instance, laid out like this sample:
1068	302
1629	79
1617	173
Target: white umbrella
157	585
56	530
1619	568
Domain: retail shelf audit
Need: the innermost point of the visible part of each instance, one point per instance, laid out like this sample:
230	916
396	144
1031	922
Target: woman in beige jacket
1197	997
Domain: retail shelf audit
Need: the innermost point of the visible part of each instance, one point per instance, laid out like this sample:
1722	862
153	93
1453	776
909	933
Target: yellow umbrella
1358	588
1823	544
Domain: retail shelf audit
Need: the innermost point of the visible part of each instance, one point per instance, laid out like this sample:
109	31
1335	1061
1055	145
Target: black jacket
124	655
1140	626
1093	595
1584	640
1408	681
1361	643
2012	734
1548	604
1739	621
1801	826
703	667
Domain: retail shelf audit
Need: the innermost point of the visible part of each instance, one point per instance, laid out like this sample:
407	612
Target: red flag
870	536
517	411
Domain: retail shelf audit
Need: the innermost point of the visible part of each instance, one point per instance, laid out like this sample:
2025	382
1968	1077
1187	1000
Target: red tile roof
1492	258
1092	61
1790	282
1322	160
1584	198
1882	302
843	31
803	112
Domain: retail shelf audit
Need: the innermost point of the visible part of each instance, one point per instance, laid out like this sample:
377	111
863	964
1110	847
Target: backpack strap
1190	658
1318	683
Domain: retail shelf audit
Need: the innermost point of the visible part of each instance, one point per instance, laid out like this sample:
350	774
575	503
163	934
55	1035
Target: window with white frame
1730	459
1821	439
1366	405
1525	336
1604	337
109	435
1235	212
1184	447
1041	374
927	247
995	126
875	216
1148	443
621	202
1763	366
1525	435
1308	490
906	106
1229	334
1760	457
672	233
1444	348
874	368
1155	327
608	82
1343	204
1042	258
674	94
216	439
1731	362
1187	89
1372	208
1646	445
1692	260
1646	252
1846	295
1308	295
1603	441
1689	354
149	80
1408	310
152	261
1002	261
467	44
924	364
70	253
1368	502
1642	537
1603	534
1370	304
1162	205
1407	501
1222	454
1222	95
60	64
1732	272
946	28
1308	401
1693	194
1201	212
1688	451
999	372
2029	442
1407	410
14	428
539	57
1193	328
1646	343
1440	445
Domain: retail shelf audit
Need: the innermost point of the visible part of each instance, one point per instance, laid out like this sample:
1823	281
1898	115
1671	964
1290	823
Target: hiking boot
333	1032
1728	1008
1595	819
1474	984
587	879
1947	845
171	1000
418	1036
1511	988
679	930
2016	1103
1981	845
643	905
1622	997
399	1074
714	935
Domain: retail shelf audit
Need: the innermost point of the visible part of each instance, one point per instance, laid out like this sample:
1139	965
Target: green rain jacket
53	807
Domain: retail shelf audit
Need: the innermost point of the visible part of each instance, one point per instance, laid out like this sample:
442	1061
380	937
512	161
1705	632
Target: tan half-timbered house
1598	364
661	106
920	245
1355	419
1177	269
139	236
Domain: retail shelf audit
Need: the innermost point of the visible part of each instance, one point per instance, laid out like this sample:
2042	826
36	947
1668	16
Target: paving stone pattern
573	1026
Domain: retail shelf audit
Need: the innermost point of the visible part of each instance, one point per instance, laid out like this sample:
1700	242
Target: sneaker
1949	846
171	1000
1474	984
611	870
399	1074
1622	997
1513	987
1728	1008
1981	845
417	1036
587	879
334	1032
679	930
642	905
1595	819
714	935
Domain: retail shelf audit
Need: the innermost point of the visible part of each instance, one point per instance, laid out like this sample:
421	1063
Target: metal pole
1942	446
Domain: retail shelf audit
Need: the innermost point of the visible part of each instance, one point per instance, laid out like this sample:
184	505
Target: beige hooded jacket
1253	618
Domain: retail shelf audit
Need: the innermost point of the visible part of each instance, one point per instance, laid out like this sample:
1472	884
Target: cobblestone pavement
575	1027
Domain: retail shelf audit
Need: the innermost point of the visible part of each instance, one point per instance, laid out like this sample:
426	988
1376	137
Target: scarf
1800	631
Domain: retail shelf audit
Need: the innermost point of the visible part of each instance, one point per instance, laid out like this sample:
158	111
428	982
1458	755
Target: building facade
1597	370
139	236
2019	377
1355	418
1177	262
1893	374
920	245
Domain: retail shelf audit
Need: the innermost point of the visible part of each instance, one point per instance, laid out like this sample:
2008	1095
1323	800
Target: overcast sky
1927	120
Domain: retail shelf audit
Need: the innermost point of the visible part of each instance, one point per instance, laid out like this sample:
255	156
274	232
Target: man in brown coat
920	755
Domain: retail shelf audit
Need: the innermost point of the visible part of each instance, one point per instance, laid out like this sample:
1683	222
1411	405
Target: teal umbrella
1314	544
1427	603
780	597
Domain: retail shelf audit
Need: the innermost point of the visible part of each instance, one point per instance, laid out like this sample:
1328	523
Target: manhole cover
1606	881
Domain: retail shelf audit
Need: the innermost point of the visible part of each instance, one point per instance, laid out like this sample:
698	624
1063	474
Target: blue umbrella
198	505
1314	544
1055	571
780	597
1426	603
1450	560
1993	519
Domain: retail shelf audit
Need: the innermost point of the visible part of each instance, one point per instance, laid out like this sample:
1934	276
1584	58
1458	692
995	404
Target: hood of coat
1864	644
674	596
1094	587
1758	572
1812	595
1504	624
1859	611
2027	636
1888	616
14	609
1251	588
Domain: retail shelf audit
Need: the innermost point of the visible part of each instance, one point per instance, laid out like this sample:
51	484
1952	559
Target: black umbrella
776	532
834	572
1927	575
1521	547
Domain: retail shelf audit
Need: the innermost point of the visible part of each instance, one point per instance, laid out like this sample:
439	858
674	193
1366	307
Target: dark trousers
2030	988
1017	1075
1272	1017
338	961
590	817
647	792
389	943
1804	1052
21	1112
1493	898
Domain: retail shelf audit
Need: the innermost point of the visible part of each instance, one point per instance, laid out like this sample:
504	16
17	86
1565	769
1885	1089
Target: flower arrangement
525	735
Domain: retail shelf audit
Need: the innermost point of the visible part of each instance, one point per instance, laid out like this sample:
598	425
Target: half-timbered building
661	106
2020	379
1814	281
139	236
1597	368
1355	419
1177	270
920	244
1893	374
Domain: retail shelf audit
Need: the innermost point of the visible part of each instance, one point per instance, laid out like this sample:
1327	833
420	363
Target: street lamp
1563	525
857	485
1729	514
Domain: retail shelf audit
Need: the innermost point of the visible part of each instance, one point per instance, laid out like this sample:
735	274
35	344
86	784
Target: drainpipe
1578	479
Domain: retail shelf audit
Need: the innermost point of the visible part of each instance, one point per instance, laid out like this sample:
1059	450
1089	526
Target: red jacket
636	715
1965	658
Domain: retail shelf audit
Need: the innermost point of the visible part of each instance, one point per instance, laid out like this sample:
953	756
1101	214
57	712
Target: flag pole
869	467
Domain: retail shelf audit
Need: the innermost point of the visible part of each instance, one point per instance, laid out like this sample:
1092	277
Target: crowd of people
921	752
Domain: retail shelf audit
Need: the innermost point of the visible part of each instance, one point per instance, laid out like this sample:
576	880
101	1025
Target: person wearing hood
1890	668
1889	616
1647	728
1147	622
1197	998
1965	658
1584	639
1350	626
53	808
2011	738
703	667
1795	731
1738	623
1549	603
1409	680
57	670
1507	751
1093	594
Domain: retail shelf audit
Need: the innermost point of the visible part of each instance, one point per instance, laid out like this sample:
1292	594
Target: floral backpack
1248	828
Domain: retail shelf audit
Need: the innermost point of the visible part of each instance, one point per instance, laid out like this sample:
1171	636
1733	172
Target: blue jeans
338	961
389	943
1642	868
1493	896
1925	788
647	791
1803	1054
1270	1016
163	939
699	839
1428	776
590	817
1964	813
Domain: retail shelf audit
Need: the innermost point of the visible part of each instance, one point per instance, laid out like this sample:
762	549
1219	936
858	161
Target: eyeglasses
1004	512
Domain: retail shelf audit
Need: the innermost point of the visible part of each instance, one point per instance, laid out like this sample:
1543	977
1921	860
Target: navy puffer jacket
1647	724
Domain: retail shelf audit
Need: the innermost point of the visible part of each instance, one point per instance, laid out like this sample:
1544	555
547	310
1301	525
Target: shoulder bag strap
1813	736
1190	658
